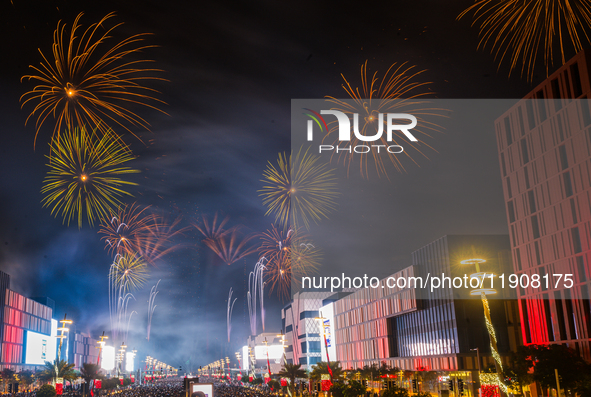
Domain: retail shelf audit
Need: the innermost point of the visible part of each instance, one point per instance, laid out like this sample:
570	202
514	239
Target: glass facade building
419	329
544	145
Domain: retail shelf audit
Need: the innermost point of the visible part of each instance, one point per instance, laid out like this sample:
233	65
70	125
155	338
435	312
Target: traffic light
364	382
10	387
414	385
460	387
450	385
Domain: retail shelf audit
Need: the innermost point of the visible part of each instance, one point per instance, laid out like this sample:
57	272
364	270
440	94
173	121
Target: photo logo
344	130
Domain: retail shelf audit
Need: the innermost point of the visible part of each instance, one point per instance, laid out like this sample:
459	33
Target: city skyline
232	76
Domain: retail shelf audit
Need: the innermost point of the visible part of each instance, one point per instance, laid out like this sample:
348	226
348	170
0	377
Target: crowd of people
167	389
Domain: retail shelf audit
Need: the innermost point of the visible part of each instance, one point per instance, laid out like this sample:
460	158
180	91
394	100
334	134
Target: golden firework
290	255
300	189
396	92
519	30
91	80
128	272
84	176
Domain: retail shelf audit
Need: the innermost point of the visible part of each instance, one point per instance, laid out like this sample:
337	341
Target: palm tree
57	369
26	378
321	369
89	372
292	372
7	377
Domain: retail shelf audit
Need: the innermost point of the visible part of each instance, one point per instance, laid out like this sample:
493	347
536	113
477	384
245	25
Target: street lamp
61	337
101	343
320	320
483	292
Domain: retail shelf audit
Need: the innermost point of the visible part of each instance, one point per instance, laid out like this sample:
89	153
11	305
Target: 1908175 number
536	281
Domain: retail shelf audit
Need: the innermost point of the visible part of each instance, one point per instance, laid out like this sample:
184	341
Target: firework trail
229	313
84	176
290	255
395	92
127	273
90	80
256	288
519	30
128	322
153	292
228	244
300	189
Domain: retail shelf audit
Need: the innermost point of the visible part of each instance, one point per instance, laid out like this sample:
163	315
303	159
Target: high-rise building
302	328
408	326
27	330
544	145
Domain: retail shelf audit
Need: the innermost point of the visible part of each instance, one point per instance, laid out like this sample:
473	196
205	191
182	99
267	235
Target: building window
535	227
508	131
520	117
529	109
562	156
503	166
532	201
541	106
511	211
577	87
289	328
524	152
581	270
309	314
304	347
556	94
314	346
585	112
576	238
568	186
314	360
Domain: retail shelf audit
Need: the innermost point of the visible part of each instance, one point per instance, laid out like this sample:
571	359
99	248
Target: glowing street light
483	292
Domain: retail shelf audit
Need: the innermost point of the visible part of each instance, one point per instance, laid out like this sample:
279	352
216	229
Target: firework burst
85	176
395	92
125	228
128	272
91	80
256	287
300	189
229	245
519	30
290	255
159	238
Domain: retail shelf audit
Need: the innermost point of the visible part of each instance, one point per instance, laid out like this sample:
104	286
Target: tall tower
544	144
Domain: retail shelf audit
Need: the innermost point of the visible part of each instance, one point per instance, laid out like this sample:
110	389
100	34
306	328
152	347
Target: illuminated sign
129	367
327	312
275	352
108	358
39	348
245	358
202	390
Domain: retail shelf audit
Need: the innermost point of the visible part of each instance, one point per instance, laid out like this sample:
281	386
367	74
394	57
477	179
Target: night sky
233	69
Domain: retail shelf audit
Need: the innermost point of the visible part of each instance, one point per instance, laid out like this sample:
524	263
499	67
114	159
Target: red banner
250	378
239	377
283	382
132	378
97	383
59	389
325	384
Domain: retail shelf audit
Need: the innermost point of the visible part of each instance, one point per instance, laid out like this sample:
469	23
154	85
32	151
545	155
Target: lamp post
101	344
322	329
61	337
483	292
